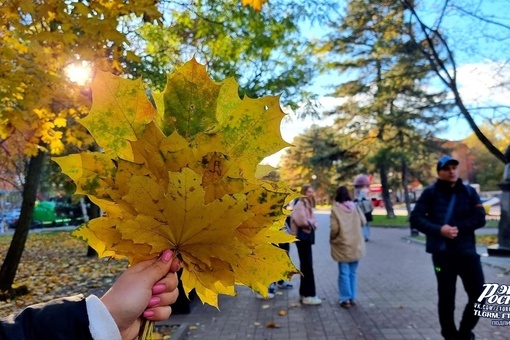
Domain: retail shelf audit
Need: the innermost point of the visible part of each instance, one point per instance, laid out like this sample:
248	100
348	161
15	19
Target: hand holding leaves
185	176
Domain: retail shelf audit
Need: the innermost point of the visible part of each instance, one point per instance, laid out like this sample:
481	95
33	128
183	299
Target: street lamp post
503	246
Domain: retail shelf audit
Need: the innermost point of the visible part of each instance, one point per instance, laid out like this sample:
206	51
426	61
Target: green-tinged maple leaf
189	180
188	103
241	133
92	172
120	111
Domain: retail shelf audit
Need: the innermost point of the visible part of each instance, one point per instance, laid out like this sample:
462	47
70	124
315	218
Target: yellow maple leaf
187	178
114	123
256	4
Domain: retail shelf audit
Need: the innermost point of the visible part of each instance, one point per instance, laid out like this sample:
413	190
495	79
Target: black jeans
307	286
447	267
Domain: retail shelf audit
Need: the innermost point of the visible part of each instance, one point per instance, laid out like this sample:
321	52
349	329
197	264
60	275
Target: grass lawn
402	222
481	240
383	221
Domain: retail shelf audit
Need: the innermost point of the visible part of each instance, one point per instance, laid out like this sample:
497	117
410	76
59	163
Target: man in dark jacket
448	213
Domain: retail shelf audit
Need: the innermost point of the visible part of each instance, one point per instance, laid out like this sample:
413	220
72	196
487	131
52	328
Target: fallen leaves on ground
486	240
164	332
54	265
272	324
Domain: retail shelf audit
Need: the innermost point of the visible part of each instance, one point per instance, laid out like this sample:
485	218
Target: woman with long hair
347	244
303	225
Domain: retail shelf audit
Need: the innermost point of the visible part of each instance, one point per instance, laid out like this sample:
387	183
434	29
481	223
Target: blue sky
480	50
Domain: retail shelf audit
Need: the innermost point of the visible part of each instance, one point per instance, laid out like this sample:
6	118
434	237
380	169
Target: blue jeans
366	231
347	280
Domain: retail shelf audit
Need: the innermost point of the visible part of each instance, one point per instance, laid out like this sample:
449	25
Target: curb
483	256
411	239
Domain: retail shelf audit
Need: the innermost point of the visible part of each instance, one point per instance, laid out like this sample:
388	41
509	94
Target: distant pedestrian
347	244
303	225
282	284
361	192
448	213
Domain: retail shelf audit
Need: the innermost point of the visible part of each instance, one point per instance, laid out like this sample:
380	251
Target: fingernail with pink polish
154	301
166	256
159	288
148	313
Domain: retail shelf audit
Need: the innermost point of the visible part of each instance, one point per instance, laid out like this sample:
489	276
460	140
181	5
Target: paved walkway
397	299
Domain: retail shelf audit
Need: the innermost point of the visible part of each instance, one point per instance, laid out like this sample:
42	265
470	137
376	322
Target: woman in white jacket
347	244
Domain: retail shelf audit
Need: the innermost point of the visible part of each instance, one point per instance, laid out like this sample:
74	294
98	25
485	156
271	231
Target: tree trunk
383	172
405	184
94	212
13	257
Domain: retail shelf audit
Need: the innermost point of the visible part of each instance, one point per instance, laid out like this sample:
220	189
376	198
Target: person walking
448	213
361	191
347	244
303	224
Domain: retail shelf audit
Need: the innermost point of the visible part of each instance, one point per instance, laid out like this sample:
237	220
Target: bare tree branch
449	79
471	14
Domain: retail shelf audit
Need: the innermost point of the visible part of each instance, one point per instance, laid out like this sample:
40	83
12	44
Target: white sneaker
269	296
311	300
285	285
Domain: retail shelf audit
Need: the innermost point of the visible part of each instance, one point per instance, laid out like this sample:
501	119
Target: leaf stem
146	329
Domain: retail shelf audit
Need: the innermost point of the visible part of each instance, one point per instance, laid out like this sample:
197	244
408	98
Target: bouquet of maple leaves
184	174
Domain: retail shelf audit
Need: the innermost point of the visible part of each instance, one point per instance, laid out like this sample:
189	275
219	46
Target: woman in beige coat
347	244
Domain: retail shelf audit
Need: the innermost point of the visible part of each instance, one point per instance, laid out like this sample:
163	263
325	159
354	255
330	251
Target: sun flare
79	73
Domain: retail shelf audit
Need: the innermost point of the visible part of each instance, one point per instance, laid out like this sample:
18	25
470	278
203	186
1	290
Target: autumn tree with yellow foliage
39	39
39	106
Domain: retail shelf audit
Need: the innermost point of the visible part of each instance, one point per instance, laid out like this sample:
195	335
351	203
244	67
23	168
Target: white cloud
480	83
479	86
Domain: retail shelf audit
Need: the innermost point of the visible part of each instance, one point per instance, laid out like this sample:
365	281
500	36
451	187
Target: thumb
159	268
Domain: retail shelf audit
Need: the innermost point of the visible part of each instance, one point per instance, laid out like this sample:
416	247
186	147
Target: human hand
449	231
146	288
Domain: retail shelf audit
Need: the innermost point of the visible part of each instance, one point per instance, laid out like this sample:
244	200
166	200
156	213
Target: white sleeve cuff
101	323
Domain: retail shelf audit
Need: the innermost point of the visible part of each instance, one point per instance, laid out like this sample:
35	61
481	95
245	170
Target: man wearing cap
448	213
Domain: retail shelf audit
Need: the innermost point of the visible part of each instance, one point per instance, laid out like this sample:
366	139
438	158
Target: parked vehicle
52	213
11	217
